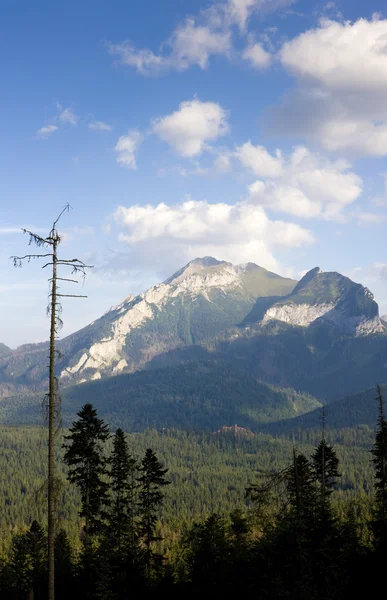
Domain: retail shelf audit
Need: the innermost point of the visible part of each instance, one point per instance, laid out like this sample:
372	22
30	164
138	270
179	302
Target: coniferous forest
296	533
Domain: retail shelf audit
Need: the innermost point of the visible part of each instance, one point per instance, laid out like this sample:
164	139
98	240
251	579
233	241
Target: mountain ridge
283	332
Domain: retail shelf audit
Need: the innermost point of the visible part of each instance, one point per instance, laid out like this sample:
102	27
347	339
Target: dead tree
54	308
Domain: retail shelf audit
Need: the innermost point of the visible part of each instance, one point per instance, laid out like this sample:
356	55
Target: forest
179	512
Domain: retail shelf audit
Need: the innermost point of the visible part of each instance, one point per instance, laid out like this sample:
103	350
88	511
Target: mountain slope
351	411
194	395
4	351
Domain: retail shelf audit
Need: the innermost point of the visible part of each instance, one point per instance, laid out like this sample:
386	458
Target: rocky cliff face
332	299
297	314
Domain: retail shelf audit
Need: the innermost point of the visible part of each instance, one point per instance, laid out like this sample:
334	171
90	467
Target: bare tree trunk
52	242
51	433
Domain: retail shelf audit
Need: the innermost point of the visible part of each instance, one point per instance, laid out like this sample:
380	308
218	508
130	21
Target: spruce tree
87	466
326	470
151	481
208	553
64	566
379	460
123	472
28	563
300	484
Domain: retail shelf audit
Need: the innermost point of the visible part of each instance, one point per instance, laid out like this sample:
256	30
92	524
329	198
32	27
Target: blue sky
251	130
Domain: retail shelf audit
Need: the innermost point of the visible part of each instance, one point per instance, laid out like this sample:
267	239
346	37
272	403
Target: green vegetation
209	472
296	534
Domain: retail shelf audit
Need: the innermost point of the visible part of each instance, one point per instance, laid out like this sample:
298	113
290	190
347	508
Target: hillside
196	395
349	412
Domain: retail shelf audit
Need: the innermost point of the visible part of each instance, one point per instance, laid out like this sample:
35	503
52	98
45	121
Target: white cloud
44	132
304	184
100	126
194	124
341	98
369	218
196	39
193	44
257	56
380	270
259	160
239	233
190	44
66	115
341	56
145	61
222	163
126	149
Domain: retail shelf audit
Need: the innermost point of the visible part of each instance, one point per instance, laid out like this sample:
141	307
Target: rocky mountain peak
198	265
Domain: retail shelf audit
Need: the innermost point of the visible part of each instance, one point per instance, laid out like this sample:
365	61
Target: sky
247	130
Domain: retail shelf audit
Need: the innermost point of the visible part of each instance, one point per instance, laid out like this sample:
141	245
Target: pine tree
87	466
379	460
151	481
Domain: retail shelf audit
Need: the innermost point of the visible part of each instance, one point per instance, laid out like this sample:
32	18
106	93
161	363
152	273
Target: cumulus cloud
303	184
343	56
241	232
192	126
44	132
196	39
126	149
257	56
100	126
341	97
259	160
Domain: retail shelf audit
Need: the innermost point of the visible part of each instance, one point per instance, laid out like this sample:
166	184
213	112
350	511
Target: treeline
292	543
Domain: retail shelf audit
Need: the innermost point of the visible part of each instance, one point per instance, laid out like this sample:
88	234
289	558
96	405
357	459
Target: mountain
321	336
384	318
201	300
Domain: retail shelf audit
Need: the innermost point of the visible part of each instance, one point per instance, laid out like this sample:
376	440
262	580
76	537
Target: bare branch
67	207
70	296
18	260
70	261
64	279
